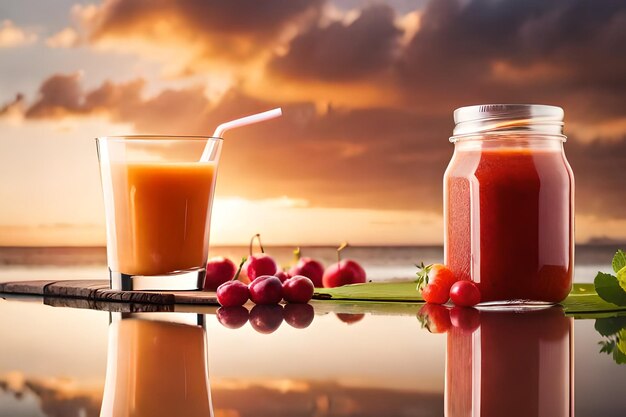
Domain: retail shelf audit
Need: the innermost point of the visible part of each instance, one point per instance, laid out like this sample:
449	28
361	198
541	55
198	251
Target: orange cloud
12	35
65	38
229	30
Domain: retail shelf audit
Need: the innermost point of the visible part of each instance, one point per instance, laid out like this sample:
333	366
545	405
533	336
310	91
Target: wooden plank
195	297
26	287
148	297
98	290
116	307
75	288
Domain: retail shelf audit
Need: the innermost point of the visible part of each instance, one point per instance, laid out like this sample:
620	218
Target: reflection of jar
515	364
156	368
508	203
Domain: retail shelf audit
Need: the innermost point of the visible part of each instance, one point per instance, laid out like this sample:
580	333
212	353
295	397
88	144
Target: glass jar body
509	216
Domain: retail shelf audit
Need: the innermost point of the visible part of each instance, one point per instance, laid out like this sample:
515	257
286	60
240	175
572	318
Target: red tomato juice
509	221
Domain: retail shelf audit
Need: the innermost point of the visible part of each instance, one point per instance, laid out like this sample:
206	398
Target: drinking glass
158	194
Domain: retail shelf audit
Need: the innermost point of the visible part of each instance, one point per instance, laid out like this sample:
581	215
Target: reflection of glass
514	364
157	198
156	368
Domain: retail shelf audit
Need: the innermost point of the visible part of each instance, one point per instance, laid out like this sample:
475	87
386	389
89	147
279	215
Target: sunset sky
367	88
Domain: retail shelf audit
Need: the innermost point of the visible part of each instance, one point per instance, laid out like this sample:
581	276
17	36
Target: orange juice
156	369
162	216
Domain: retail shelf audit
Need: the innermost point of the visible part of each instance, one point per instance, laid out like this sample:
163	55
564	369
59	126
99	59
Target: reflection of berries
435	318
465	294
266	318
232	293
266	289
232	317
298	289
299	316
349	317
465	318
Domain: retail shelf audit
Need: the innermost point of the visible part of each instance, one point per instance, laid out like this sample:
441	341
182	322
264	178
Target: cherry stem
243	261
339	249
297	254
258	237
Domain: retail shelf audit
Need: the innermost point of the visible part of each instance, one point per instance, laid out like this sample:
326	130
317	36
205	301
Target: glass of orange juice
158	193
157	365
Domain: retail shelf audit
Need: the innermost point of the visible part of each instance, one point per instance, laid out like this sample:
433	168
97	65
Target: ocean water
380	262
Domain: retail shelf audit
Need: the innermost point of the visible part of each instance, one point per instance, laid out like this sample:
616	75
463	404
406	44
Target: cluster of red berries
266	289
438	284
269	284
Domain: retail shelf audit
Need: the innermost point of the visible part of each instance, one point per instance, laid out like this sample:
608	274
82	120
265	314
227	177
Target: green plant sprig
612	288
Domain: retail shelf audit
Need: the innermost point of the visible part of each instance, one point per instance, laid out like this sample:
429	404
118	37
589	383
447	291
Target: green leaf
610	325
582	302
619	260
609	290
621	278
422	275
374	292
607	346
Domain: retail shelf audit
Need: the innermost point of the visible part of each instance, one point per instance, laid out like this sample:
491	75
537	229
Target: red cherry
282	276
309	268
465	318
232	293
232	317
435	318
350	318
465	293
434	294
258	265
218	271
266	289
299	316
342	273
266	318
298	289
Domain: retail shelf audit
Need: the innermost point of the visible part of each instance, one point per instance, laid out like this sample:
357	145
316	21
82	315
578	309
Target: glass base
188	280
515	305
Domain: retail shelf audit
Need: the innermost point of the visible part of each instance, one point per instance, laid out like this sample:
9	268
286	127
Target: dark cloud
557	51
562	52
600	173
58	95
234	28
340	52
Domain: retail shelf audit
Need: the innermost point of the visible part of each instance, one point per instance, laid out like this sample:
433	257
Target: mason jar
509	203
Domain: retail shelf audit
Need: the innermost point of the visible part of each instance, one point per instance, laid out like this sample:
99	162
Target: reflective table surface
322	359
